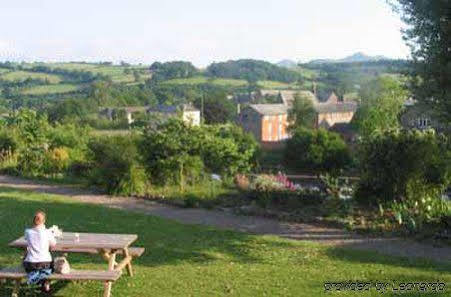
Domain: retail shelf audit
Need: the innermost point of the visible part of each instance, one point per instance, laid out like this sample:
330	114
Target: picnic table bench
107	245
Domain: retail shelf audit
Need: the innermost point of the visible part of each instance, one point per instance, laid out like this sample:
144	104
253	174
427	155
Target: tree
217	109
381	103
303	112
319	151
429	37
136	75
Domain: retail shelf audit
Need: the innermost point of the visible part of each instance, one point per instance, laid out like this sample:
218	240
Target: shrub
278	190
396	162
56	160
175	153
319	151
115	165
9	141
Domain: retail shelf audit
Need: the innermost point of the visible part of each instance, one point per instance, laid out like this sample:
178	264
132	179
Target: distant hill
287	63
357	57
252	70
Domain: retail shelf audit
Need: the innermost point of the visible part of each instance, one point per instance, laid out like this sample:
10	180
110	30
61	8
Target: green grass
269	84
23	75
114	71
50	89
189	260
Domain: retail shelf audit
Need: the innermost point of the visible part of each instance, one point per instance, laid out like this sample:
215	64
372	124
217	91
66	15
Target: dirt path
255	225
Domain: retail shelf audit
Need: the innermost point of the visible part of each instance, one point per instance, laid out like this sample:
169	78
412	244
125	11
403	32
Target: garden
217	166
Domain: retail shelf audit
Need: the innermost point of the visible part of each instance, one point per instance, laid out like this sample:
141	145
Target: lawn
188	260
50	89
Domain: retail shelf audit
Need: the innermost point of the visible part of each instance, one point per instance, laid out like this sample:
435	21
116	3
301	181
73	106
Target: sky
200	31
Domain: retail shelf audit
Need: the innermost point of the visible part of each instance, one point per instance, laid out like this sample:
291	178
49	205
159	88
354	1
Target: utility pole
202	108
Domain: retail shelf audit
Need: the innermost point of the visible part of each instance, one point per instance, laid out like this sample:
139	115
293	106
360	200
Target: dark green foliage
171	153
252	71
217	109
302	114
115	165
169	70
177	154
9	140
403	165
70	110
428	34
317	150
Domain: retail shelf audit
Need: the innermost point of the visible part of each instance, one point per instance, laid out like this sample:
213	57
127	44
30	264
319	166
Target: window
423	122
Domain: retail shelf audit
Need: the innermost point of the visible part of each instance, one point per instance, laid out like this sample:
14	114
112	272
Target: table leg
129	265
111	263
16	288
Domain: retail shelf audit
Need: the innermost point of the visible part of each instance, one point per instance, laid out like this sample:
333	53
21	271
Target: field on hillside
50	89
23	75
191	260
197	80
116	72
230	82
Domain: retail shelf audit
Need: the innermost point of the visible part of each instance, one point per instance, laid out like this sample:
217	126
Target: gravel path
250	224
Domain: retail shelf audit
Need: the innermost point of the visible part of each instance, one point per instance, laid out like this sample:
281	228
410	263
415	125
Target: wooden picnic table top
86	240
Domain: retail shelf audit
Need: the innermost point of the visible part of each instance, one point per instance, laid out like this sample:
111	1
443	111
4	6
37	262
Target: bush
405	173
175	153
56	160
319	151
395	162
9	141
115	165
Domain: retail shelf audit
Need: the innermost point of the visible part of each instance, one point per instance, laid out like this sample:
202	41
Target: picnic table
107	245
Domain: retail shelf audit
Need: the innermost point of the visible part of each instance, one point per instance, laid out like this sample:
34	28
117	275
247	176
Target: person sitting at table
38	261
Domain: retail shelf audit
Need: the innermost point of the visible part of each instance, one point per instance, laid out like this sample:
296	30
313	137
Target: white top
39	240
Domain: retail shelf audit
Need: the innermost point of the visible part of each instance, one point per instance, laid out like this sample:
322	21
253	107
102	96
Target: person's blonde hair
39	218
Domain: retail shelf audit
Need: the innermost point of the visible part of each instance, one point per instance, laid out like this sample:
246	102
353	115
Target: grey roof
288	95
270	109
336	107
172	108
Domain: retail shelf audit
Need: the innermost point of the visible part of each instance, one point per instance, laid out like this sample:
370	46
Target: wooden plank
18	273
133	251
111	264
16	288
129	262
123	263
86	240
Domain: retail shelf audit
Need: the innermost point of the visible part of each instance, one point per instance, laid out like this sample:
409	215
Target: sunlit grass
190	260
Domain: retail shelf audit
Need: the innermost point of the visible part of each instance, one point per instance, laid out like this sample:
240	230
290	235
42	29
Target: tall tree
381	103
303	112
429	37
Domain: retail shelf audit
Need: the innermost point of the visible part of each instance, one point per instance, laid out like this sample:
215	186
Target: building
268	122
188	113
415	116
334	111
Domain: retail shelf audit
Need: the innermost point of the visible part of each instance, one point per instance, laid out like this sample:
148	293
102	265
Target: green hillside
23	75
50	89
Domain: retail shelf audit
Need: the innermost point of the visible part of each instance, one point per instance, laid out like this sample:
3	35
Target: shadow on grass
166	242
349	253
